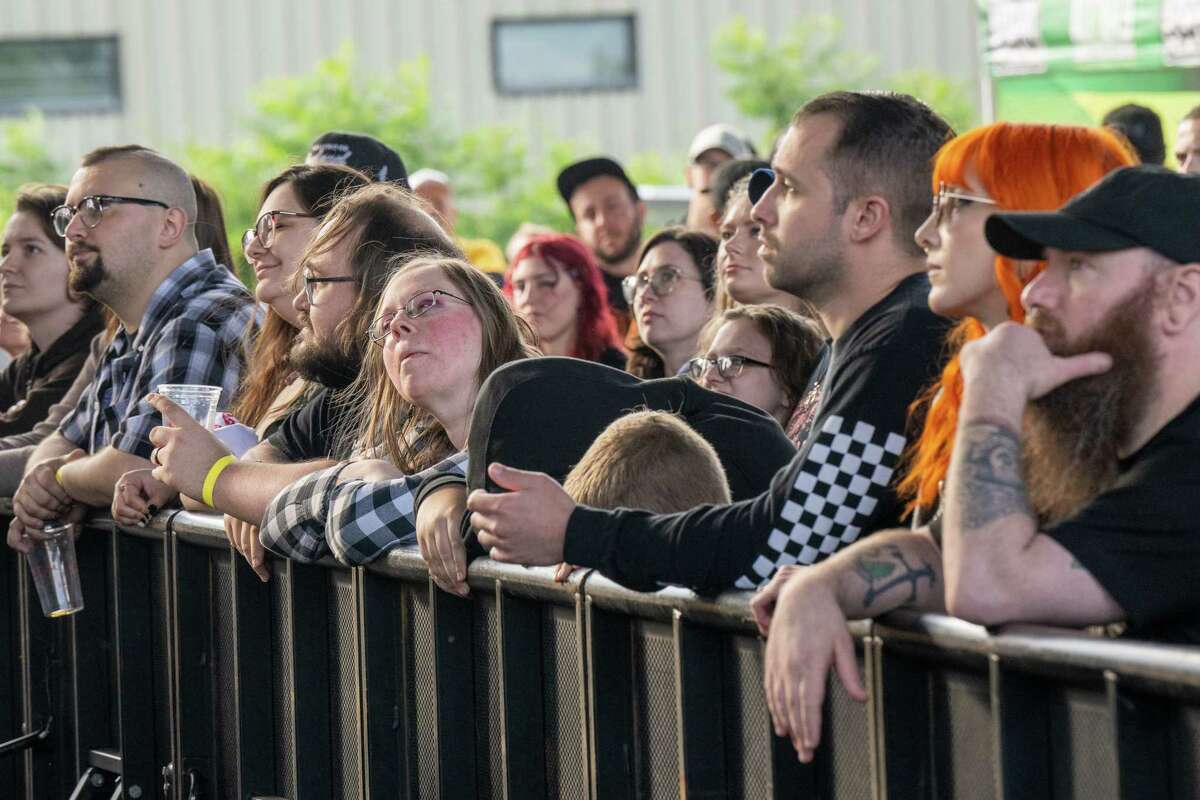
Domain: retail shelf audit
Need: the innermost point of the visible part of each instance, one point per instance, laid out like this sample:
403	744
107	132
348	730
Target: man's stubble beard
811	273
332	363
623	253
1074	434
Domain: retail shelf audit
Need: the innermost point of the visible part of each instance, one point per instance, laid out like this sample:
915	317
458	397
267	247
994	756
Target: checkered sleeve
366	519
294	524
187	351
844	473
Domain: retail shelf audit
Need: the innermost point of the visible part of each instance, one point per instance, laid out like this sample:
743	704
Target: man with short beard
849	186
608	219
128	222
1101	388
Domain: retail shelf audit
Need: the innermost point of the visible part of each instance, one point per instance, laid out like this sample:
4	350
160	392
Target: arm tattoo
990	485
885	568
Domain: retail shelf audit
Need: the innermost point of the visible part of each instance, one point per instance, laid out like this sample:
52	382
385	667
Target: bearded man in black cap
608	218
1090	412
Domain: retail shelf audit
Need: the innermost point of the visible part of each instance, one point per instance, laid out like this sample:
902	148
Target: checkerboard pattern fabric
356	521
846	469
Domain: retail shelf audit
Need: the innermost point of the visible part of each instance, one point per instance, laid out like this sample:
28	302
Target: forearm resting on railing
886	571
244	490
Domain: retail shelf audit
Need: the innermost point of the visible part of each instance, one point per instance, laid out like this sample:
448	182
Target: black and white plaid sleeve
294	524
366	519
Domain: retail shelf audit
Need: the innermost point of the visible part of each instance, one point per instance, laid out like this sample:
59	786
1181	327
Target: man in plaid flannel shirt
128	222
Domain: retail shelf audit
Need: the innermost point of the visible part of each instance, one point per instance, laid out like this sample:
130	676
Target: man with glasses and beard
1089	413
608	219
128	221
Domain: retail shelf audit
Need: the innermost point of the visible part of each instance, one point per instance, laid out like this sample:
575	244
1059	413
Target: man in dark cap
608	219
365	153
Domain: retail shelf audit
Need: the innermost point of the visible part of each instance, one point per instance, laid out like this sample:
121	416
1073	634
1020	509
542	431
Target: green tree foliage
24	158
769	80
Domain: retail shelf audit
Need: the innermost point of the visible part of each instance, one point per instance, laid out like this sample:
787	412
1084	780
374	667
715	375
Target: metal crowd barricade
185	676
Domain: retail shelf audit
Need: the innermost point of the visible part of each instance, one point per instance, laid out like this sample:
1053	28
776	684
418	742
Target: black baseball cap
1144	206
575	175
360	151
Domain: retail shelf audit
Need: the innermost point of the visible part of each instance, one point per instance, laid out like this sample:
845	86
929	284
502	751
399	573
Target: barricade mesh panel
421	693
1186	756
284	671
1085	753
489	752
159	649
566	773
747	720
656	743
224	680
962	718
850	740
343	683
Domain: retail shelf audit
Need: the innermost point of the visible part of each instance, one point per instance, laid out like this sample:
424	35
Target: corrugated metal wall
187	66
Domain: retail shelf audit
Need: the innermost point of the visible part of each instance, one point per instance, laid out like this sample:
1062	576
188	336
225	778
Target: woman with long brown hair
440	329
293	205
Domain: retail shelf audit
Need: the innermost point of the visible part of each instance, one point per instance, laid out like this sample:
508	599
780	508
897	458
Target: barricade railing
185	676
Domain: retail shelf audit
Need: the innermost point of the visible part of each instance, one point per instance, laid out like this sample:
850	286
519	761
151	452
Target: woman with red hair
555	284
999	167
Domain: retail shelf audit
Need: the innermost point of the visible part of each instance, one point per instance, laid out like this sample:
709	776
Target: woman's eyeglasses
264	228
727	366
949	200
418	305
663	281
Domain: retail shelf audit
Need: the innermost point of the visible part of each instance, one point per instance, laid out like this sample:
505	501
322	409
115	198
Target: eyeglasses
264	228
727	366
310	281
948	201
663	281
91	210
417	306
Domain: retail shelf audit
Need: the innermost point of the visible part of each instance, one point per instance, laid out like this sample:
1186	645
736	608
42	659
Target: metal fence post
522	700
453	667
384	712
698	698
1020	734
610	701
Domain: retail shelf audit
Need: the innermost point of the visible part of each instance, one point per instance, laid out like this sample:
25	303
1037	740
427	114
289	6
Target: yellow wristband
214	472
58	475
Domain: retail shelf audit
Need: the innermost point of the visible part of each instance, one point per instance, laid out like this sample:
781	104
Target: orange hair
1023	167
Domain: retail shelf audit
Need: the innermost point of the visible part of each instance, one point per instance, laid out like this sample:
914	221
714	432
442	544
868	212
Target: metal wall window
60	75
564	54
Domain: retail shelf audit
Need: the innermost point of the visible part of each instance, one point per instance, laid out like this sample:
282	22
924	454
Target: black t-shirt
310	432
838	487
1141	539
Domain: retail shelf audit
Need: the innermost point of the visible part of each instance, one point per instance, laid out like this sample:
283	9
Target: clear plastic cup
55	571
200	402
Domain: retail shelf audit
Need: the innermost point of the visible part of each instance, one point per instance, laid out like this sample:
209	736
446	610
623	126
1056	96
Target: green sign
1071	61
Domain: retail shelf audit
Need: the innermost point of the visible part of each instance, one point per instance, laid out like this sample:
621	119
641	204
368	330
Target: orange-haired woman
1004	166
